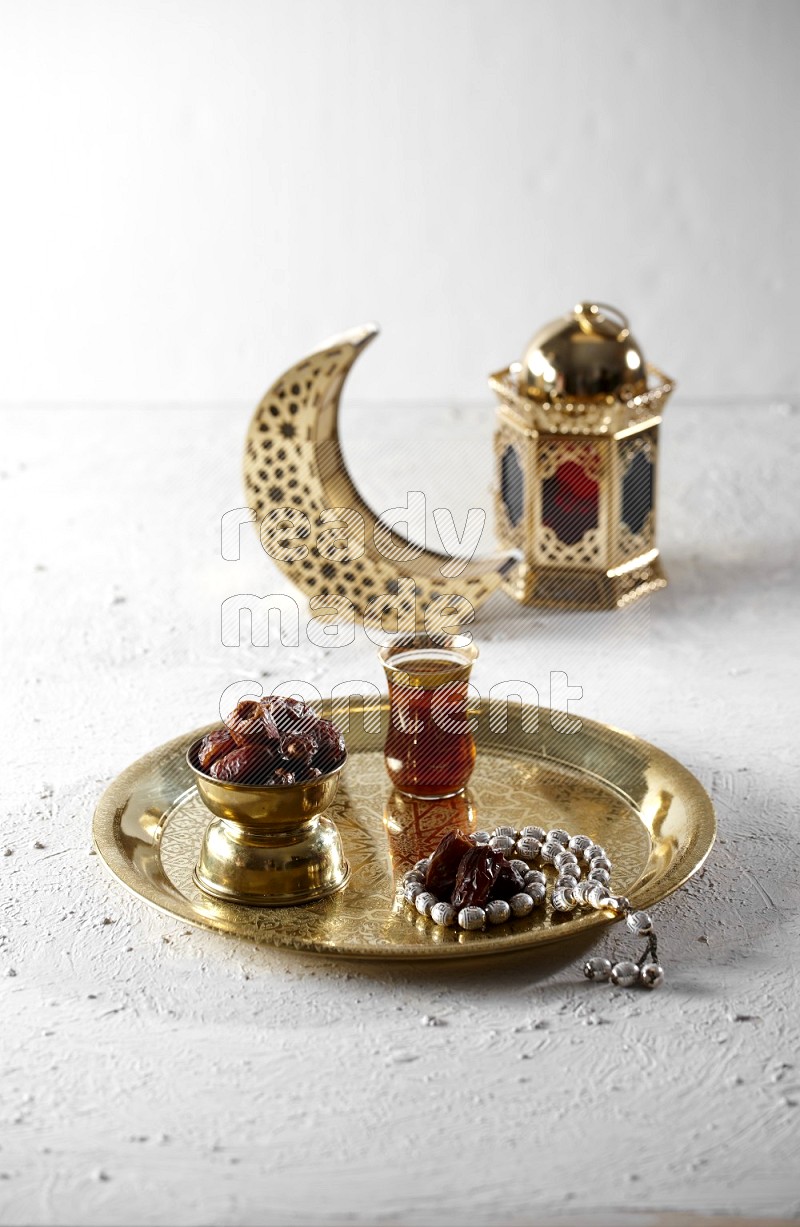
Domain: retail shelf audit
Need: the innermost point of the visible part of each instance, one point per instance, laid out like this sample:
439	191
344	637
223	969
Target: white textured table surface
155	1074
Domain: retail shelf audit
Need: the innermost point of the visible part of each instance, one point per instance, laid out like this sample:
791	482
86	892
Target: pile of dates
465	883
470	876
275	740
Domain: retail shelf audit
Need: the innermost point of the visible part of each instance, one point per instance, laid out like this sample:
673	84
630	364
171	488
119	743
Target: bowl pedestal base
276	868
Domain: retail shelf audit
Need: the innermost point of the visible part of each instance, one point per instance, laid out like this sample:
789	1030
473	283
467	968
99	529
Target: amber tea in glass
430	750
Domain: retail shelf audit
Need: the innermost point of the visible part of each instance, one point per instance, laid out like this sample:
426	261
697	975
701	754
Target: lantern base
569	588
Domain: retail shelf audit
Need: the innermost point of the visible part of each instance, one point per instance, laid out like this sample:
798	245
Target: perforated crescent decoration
308	509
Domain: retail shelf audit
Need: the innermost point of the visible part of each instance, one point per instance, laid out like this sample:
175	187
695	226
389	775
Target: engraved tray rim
128	840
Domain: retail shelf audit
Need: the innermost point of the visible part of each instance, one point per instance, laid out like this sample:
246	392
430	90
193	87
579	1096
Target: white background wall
196	192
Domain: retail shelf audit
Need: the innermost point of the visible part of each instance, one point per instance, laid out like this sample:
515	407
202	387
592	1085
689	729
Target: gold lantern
576	450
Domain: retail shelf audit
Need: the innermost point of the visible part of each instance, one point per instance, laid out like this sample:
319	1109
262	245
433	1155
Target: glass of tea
430	750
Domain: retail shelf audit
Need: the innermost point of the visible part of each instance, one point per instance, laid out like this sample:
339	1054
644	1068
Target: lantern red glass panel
570	502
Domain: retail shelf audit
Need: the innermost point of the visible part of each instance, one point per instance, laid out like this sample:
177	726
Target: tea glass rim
461	645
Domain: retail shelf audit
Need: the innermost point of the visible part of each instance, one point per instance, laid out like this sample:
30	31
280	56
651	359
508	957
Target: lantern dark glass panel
570	503
637	492
512	485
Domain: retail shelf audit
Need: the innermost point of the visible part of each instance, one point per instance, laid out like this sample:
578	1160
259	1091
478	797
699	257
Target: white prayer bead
597	969
424	902
443	914
651	975
565	858
624	974
471	918
528	848
600	862
563	899
639	923
497	912
550	851
599	875
597	896
569	871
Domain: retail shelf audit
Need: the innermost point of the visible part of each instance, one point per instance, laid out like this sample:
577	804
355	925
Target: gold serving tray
651	814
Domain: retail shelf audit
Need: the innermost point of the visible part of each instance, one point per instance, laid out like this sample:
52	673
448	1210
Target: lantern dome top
585	355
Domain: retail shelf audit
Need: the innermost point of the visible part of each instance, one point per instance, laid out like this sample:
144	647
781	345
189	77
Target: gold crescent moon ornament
318	529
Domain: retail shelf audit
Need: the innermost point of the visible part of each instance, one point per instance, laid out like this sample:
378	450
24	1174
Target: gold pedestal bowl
269	845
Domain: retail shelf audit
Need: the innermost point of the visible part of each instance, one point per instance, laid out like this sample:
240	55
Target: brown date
444	862
269	723
330	748
476	876
213	746
281	775
250	721
296	748
290	714
251	764
304	771
509	880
